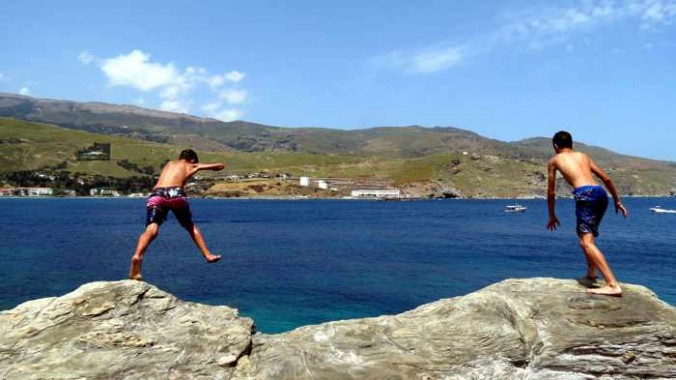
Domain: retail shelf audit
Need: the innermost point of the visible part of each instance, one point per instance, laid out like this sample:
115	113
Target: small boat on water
660	210
515	208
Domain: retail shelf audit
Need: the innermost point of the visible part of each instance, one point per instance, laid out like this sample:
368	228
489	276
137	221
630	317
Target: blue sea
288	263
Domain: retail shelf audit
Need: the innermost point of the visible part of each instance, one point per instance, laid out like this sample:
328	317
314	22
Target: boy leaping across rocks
169	194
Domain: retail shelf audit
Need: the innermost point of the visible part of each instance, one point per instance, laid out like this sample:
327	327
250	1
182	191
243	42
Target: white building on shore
395	193
101	192
33	191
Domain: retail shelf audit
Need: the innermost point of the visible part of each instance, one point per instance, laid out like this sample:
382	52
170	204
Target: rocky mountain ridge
211	134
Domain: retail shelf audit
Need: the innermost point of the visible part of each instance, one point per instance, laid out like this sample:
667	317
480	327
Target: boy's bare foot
614	291
135	271
212	258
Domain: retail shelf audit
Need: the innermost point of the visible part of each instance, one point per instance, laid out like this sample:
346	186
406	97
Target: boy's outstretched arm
197	167
605	178
216	167
551	196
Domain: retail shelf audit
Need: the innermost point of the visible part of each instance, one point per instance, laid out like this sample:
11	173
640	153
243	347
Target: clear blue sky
604	70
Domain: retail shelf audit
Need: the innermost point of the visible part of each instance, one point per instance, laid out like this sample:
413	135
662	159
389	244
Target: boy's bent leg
591	266
597	259
198	239
147	237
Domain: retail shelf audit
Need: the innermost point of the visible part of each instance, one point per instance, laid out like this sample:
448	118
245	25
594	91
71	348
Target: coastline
292	197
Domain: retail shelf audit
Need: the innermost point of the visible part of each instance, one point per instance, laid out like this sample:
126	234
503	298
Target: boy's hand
619	207
553	223
219	167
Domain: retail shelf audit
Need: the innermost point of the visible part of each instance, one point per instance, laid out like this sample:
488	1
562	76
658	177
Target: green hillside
35	146
421	161
32	146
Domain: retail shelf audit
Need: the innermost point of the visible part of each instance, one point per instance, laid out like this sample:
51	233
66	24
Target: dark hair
189	155
562	139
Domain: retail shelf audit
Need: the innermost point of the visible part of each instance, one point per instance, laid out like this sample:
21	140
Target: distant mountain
446	156
541	148
211	134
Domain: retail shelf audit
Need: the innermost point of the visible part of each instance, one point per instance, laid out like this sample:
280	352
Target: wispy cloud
424	61
658	13
2	77
228	114
175	88
212	107
218	80
24	91
435	60
532	28
234	96
587	15
175	105
85	57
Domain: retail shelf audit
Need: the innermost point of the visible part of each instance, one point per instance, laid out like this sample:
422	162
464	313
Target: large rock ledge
516	329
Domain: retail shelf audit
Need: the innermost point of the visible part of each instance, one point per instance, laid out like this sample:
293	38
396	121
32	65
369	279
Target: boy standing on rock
169	194
591	202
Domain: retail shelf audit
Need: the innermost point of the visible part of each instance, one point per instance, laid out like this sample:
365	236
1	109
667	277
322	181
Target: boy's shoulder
553	159
177	165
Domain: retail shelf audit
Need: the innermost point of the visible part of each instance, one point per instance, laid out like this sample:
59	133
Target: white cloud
175	89
588	15
422	62
235	76
233	96
211	108
568	19
24	91
216	81
228	114
216	111
659	12
85	57
135	70
2	77
196	72
553	25
436	60
175	106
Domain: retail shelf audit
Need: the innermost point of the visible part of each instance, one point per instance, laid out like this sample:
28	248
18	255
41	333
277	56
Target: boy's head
562	140
189	155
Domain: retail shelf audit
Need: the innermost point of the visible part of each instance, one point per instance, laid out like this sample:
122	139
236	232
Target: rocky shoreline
539	328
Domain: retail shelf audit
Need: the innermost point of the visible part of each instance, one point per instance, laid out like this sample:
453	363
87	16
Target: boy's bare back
576	167
177	173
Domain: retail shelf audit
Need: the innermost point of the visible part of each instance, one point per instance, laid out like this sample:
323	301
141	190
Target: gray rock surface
121	330
516	329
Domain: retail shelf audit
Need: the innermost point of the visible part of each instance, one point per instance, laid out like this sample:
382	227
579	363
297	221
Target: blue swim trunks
591	203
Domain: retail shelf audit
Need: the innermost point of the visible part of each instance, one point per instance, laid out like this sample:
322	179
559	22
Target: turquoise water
292	263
